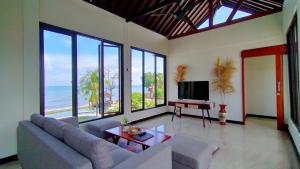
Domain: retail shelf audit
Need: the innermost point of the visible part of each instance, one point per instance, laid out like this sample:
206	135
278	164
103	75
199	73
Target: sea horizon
60	96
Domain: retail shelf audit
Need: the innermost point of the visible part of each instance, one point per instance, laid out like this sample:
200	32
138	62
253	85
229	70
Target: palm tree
89	87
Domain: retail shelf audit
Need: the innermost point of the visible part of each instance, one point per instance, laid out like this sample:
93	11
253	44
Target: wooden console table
201	105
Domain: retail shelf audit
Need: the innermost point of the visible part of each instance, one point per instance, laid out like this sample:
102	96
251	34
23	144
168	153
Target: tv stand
201	105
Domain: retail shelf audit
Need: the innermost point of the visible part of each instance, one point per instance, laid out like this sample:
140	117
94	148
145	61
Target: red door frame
278	51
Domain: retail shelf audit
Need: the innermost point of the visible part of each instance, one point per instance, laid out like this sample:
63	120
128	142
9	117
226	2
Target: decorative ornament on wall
180	73
222	83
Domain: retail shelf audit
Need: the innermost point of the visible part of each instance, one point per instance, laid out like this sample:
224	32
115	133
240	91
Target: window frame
294	71
143	80
73	34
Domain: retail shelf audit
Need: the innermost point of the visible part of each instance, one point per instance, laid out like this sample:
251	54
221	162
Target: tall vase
222	114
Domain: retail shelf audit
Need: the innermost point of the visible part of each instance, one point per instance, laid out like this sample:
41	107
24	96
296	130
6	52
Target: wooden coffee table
158	137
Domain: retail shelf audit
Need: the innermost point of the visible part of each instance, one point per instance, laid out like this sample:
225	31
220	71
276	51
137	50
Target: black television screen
195	90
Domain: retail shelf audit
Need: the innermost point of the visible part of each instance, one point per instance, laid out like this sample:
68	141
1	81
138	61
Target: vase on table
222	114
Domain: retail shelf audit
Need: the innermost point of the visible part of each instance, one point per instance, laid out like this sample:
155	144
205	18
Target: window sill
158	106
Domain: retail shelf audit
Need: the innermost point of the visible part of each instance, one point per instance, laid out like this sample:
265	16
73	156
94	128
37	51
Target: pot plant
223	72
125	124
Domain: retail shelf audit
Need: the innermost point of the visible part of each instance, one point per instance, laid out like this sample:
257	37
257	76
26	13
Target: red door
278	52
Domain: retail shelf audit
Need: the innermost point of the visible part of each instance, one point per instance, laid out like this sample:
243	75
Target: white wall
19	52
260	86
200	51
290	8
11	74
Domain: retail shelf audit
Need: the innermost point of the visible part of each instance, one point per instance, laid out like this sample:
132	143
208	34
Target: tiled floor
257	145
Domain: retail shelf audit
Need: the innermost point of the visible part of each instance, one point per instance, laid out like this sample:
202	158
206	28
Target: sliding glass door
81	75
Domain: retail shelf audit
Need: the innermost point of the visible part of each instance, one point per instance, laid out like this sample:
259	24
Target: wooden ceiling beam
142	7
132	7
257	15
174	28
156	19
242	8
210	13
159	27
248	3
148	18
236	8
191	15
150	10
168	20
269	3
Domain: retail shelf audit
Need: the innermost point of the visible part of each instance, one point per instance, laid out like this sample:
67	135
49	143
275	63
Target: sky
58	55
221	16
58	58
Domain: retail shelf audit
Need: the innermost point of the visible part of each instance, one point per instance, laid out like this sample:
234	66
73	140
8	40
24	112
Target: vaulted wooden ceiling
176	18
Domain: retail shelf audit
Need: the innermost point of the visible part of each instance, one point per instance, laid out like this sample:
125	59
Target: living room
36	33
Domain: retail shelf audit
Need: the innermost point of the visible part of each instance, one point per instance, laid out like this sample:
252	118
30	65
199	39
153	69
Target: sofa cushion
54	127
190	152
71	120
90	146
98	127
38	120
119	155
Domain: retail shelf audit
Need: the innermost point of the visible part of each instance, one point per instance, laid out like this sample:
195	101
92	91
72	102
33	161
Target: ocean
61	96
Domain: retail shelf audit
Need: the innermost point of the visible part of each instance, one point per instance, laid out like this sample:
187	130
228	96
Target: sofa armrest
159	156
71	120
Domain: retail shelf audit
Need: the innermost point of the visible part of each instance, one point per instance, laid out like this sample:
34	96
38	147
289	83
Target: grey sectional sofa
45	143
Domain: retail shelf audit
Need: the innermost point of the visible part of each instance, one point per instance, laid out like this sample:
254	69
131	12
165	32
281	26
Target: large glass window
81	75
160	80
58	74
147	80
136	80
88	77
294	71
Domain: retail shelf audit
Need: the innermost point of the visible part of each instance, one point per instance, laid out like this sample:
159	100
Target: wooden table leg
174	113
116	139
208	116
144	147
203	118
179	112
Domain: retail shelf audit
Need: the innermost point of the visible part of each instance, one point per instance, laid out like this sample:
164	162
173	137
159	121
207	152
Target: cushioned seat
190	153
98	127
119	155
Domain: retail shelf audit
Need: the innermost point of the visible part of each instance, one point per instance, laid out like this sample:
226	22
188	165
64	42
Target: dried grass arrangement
180	73
223	73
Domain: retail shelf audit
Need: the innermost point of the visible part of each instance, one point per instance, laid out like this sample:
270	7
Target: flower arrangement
180	73
223	73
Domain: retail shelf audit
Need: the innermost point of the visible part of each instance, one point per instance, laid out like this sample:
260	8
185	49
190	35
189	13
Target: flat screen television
194	90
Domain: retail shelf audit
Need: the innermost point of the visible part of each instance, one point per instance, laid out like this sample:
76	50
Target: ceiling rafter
141	12
188	14
150	10
243	8
167	19
177	21
215	8
144	6
211	13
235	9
173	22
192	16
